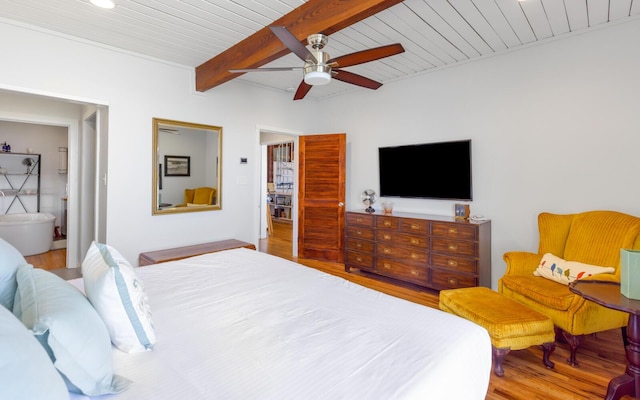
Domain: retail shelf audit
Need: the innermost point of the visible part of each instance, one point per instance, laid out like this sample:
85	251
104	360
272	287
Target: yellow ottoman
511	325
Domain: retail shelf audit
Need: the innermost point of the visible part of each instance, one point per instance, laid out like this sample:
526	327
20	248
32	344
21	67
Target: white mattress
241	324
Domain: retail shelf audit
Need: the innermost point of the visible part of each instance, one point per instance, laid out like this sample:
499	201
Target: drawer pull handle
359	219
359	232
386	251
359	259
386	223
452	281
386	236
453	247
415	256
452	263
415	241
414	226
387	266
414	272
453	231
358	245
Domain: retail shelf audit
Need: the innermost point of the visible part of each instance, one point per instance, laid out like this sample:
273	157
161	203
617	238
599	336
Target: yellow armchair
593	237
199	196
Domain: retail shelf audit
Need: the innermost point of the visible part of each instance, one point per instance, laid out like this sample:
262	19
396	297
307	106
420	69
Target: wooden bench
511	325
178	253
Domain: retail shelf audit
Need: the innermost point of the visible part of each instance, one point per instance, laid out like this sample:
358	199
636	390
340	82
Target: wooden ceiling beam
314	16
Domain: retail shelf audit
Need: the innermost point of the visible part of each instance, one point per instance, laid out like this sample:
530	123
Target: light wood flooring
601	357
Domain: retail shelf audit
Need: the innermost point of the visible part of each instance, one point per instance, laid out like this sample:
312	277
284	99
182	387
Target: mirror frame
155	172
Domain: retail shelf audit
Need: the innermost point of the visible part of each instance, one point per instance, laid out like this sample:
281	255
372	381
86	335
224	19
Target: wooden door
321	196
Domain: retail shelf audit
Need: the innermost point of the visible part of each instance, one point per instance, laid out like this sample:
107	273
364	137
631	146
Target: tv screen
427	171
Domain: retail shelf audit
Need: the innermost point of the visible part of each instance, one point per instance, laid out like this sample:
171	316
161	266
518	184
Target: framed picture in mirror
177	166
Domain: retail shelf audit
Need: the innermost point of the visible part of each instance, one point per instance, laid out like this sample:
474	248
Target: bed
240	324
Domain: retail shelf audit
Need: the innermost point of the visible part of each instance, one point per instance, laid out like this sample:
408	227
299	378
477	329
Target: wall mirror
187	161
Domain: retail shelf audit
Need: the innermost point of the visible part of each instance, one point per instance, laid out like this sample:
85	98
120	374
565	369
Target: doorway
278	188
83	195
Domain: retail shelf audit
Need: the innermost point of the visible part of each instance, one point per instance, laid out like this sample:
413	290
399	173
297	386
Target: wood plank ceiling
435	33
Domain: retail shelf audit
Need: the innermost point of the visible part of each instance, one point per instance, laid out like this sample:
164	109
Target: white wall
137	89
554	127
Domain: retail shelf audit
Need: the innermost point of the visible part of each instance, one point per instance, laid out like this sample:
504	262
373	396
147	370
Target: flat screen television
439	170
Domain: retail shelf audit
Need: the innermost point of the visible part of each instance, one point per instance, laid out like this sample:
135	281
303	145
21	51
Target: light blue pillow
26	372
10	260
70	330
118	295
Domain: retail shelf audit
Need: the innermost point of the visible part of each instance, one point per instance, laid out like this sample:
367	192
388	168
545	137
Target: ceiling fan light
317	78
108	4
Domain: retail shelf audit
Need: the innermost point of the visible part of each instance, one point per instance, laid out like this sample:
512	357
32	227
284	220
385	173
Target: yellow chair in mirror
202	196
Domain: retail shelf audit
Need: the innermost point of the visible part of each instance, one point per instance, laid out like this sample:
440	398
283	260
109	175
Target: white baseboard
59	244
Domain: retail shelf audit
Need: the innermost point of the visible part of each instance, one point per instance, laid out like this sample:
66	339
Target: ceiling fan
319	68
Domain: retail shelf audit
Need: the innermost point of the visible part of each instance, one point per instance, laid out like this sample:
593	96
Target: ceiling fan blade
355	79
302	91
364	56
293	43
265	69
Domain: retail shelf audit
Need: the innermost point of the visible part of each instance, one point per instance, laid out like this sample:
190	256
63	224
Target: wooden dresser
434	251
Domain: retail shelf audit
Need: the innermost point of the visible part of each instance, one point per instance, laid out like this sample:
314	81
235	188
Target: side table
608	294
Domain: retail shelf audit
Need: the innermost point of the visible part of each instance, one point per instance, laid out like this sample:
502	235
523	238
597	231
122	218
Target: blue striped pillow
69	329
118	296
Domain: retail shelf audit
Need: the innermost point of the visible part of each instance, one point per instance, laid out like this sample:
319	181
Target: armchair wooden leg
547	349
574	341
498	355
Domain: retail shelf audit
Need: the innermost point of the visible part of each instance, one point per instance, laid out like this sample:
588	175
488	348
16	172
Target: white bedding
241	324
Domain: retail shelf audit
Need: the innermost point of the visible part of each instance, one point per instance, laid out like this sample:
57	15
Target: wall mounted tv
428	171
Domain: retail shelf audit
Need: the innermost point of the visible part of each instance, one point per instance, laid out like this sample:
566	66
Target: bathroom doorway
85	136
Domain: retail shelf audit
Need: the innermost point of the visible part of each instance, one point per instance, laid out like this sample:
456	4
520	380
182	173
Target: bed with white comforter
241	324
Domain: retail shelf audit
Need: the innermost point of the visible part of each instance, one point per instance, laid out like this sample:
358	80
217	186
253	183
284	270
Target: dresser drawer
416	226
360	245
402	254
361	232
450	280
402	239
441	245
407	273
390	223
360	219
359	260
454	263
456	231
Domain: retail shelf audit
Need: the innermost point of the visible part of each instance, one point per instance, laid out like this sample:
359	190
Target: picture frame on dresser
461	211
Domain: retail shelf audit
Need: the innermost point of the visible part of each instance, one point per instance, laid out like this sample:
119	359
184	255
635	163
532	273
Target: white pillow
562	271
118	296
69	329
10	260
26	371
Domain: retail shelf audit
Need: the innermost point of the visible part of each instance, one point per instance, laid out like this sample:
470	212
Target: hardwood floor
601	357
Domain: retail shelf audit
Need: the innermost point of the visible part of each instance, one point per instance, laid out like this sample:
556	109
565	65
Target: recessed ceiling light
103	3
